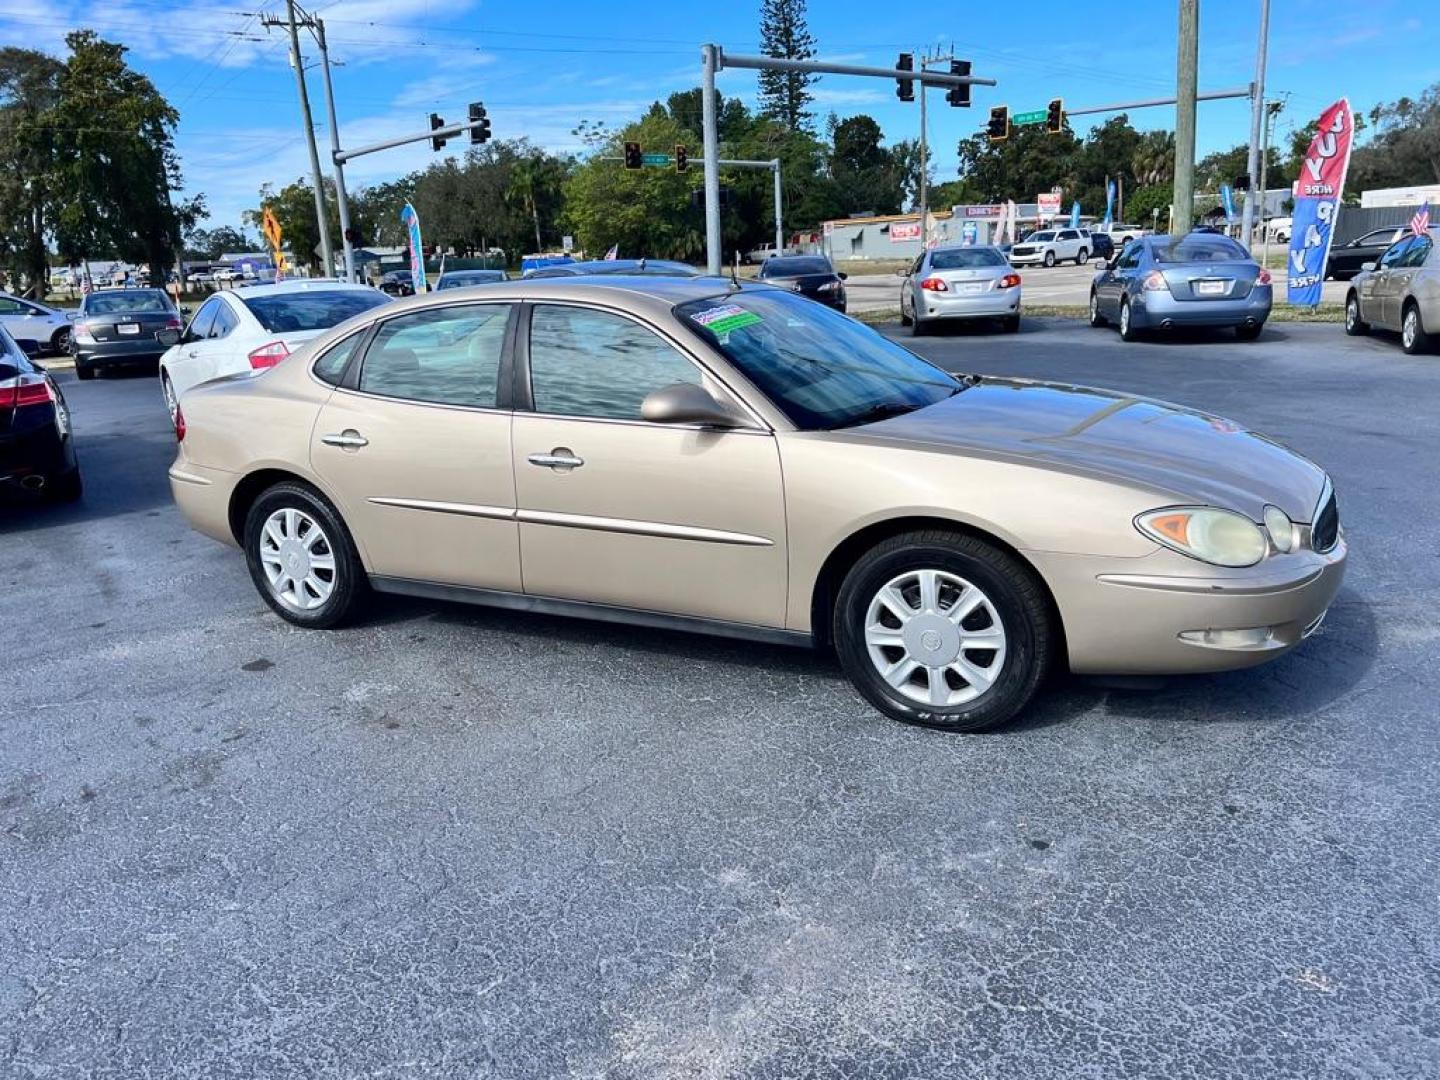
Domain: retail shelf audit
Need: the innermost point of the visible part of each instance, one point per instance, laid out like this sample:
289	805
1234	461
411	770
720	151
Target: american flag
1420	223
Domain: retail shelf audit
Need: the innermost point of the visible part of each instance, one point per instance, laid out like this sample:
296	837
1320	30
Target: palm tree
529	177
1154	159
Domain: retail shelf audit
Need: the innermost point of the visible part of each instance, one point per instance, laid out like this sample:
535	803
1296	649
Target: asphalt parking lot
455	842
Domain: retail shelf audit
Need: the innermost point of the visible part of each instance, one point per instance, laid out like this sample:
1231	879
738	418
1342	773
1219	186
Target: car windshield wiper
882	410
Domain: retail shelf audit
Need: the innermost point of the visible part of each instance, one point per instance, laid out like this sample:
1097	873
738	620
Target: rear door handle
350	439
561	459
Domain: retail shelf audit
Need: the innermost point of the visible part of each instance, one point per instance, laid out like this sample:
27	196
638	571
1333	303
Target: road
453	842
1055	285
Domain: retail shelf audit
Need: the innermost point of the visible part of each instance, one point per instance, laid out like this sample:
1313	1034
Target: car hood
1191	456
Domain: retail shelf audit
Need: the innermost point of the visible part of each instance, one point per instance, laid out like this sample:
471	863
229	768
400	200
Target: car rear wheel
918	326
943	630
301	557
1354	325
1049	258
1413	338
84	372
1249	332
1010	324
67	487
1127	328
1096	319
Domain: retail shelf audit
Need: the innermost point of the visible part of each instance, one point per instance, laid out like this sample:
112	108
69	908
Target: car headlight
1221	537
1280	528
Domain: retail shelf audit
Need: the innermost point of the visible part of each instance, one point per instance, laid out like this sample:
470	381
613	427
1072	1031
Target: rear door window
445	356
331	365
1418	251
204	319
225	321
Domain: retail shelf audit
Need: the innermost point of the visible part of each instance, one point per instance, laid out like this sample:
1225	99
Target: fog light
1254	638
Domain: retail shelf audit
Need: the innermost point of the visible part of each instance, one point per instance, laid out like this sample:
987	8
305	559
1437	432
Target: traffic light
354	238
905	88
998	129
633	158
1242	182
478	115
436	142
1055	116
697	198
959	96
682	157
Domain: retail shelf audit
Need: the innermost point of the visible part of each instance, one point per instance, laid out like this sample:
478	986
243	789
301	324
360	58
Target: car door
1117	281
1409	281
1380	303
1067	244
12	317
183	364
414	444
217	346
614	509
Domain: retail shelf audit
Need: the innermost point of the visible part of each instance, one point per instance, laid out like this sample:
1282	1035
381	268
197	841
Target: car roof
653	294
303	285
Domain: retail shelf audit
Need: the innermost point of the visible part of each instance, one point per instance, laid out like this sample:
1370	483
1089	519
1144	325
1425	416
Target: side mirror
1367	266
686	403
168	337
843	277
29	346
902	273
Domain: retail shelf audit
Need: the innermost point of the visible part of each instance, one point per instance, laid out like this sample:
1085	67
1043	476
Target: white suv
1049	246
1123	234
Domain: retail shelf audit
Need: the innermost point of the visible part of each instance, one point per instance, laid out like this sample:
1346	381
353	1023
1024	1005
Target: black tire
67	487
84	372
350	586
1354	325
1049	259
1096	319
60	341
1249	333
1127	328
1016	596
1413	338
1082	258
905	320
918	327
1010	324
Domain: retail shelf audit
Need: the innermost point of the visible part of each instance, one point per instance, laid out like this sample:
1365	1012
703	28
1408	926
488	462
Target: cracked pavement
457	842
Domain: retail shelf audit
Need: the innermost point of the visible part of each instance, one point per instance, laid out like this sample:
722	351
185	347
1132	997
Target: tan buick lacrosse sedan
698	455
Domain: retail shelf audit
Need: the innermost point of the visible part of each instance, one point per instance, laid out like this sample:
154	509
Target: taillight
25	390
1263	278
934	284
269	355
174	323
1010	281
1154	282
179	423
82	333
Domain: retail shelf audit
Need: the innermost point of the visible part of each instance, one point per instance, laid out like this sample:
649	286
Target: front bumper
991	304
1033	258
1154	310
1165	613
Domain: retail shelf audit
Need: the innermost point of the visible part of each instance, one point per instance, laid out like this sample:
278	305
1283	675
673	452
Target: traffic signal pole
714	60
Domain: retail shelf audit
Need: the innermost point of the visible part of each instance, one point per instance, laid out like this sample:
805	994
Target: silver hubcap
935	638
298	560
1094	305
1409	328
1352	315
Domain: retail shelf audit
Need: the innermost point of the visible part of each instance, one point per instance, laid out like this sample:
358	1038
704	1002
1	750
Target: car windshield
820	368
130	300
965	259
1040	237
1200	247
288	312
460	278
780	267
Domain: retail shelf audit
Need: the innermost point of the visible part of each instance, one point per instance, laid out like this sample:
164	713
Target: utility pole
297	63
1257	121
925	151
1272	109
1182	204
342	201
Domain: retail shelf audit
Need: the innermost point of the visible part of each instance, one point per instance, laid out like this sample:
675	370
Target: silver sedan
960	283
1400	292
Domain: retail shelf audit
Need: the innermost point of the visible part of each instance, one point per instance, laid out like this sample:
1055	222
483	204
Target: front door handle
350	439
561	459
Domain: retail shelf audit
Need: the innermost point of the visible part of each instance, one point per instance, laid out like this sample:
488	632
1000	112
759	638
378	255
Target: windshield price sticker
725	318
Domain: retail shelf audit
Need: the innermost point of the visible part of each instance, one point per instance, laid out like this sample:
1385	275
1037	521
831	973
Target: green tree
864	172
1030	161
535	182
116	169
785	34
1141	203
29	89
294	208
1403	147
1222	167
1108	154
212	243
1154	158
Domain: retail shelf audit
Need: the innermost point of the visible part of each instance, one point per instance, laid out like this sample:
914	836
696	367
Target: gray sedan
960	283
1400	292
1160	282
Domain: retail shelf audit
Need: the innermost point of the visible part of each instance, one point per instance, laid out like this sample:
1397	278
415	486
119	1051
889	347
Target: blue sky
543	67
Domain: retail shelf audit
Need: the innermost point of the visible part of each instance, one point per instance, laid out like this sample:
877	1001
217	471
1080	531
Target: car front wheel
60	342
301	557
943	630
1354	325
1049	258
1082	258
1096	319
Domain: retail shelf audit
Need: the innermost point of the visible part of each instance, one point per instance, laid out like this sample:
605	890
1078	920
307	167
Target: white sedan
27	320
255	328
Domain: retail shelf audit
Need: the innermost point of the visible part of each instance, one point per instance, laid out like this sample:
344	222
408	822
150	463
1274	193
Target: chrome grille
1325	530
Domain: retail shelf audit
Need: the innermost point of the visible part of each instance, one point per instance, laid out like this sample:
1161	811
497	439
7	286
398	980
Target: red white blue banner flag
1317	203
411	220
